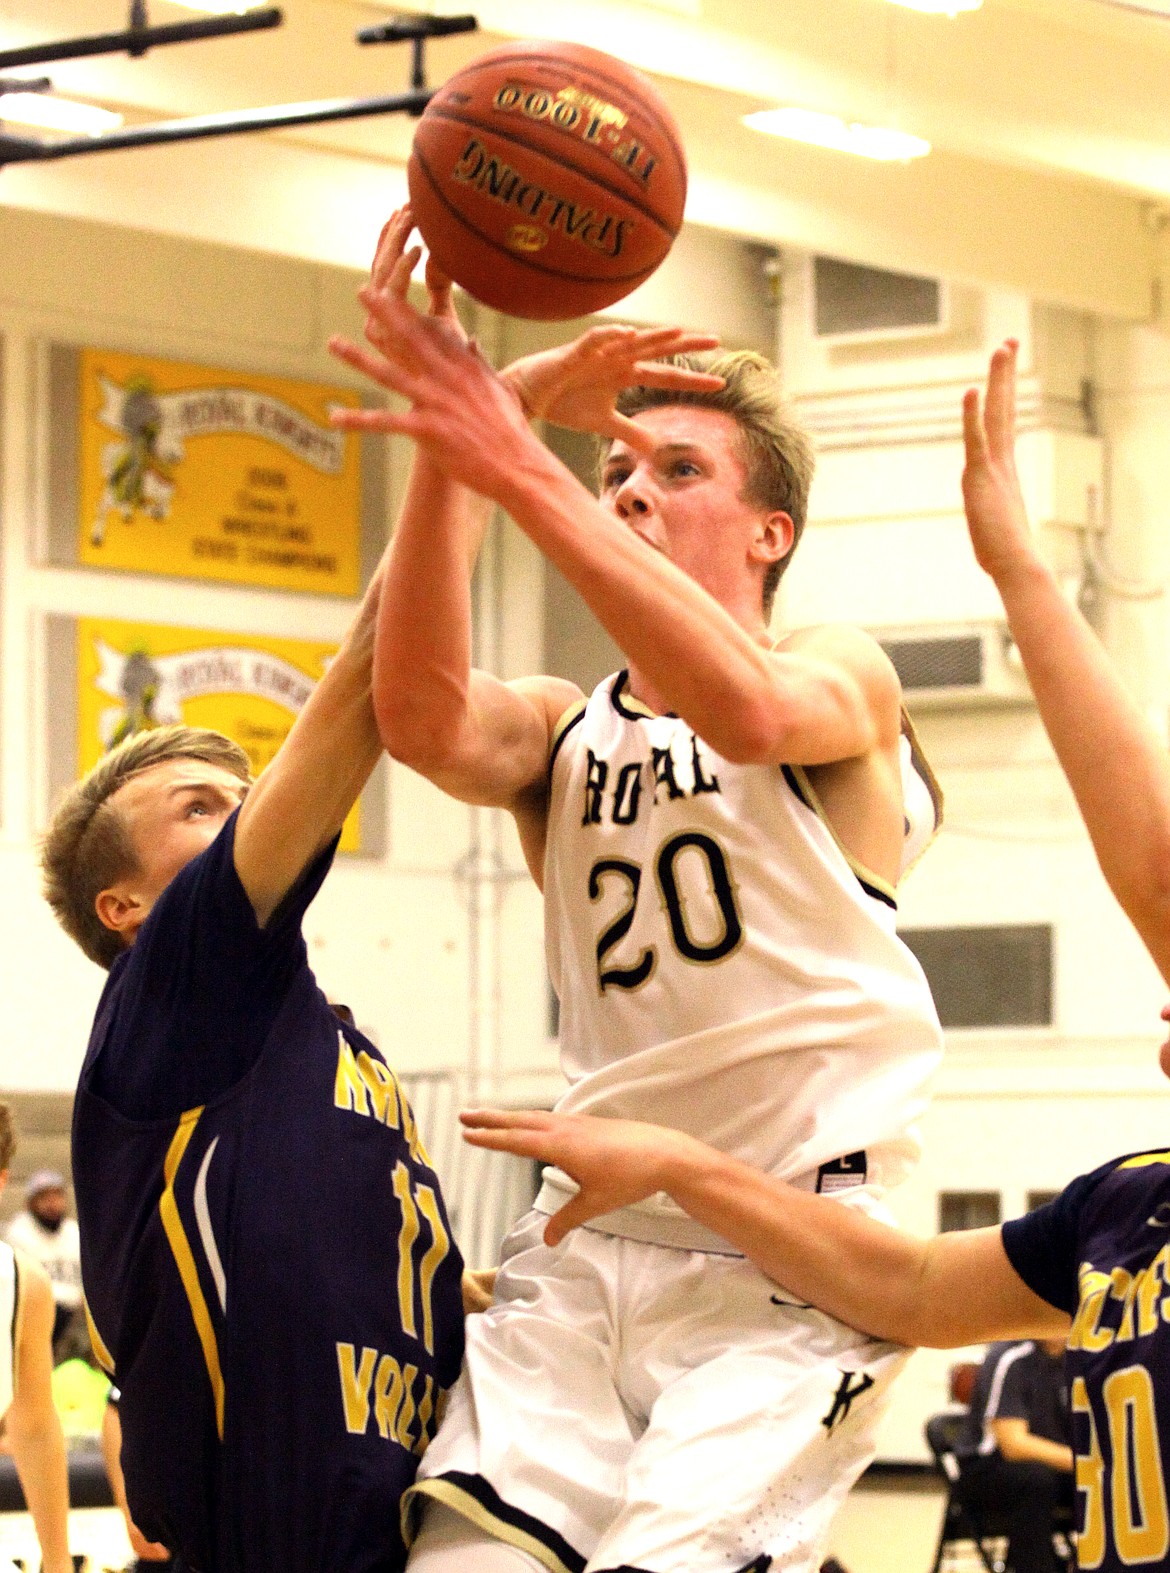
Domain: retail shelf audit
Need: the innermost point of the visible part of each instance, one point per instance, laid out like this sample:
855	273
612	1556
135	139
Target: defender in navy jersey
1095	1263
265	1251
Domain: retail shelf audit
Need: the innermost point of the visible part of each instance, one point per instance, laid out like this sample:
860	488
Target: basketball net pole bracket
139	36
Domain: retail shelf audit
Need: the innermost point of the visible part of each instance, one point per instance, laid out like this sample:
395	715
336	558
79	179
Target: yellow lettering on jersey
382	1088
1150	1281
355	1386
349	1089
387	1394
1123	1287
425	1406
1141	1523
406	1412
1090	1479
1085	1333
440	1245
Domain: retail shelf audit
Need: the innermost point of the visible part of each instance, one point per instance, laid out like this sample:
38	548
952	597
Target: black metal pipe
414	27
19	150
137	40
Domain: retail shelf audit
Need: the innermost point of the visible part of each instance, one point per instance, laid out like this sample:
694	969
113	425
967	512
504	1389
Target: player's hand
147	1550
996	516
393	267
478	1288
462	413
577	384
615	1162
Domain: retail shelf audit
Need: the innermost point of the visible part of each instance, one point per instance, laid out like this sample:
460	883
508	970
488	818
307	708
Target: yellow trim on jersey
185	1261
104	1358
471	1508
1144	1160
921	765
567	718
867	876
17	1319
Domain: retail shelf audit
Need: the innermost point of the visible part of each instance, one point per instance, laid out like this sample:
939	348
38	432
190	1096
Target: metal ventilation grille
955	662
855	300
999	976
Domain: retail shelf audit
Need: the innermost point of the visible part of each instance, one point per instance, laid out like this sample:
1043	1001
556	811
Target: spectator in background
31	1428
44	1231
1015	1453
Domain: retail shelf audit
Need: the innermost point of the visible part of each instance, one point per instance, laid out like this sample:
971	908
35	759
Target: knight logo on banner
216	475
134	676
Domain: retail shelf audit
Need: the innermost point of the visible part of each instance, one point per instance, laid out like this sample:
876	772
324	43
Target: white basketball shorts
637	1407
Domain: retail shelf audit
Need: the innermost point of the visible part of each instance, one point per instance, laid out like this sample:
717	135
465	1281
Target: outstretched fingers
381	368
974	433
1000	411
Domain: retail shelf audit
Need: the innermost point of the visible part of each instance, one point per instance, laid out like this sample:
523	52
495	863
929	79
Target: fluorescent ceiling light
57	114
939	7
810	125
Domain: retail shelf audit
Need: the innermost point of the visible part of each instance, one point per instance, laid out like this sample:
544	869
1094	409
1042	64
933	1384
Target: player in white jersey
718	836
31	1423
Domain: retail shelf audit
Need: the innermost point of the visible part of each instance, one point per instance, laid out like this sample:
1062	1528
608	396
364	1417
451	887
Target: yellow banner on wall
216	474
132	676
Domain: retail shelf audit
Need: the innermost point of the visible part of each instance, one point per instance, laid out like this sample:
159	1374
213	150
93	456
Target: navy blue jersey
267	1260
1101	1252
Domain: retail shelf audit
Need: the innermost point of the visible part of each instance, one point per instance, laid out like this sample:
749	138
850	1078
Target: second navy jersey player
268	1262
1101	1253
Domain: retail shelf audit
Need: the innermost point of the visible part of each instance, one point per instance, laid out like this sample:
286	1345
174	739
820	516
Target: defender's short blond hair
88	846
777	451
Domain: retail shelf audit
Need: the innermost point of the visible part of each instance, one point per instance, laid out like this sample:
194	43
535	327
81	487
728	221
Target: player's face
174	811
686	499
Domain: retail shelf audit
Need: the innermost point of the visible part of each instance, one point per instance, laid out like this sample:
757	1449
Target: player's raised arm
32	1424
478	738
955	1289
698	655
1115	762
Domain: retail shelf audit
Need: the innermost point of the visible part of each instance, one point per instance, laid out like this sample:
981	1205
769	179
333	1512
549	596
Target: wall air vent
975	663
857	305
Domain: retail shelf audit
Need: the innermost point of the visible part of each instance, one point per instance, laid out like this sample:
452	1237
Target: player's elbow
754	732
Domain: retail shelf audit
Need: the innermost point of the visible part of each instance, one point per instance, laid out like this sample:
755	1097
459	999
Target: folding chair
961	1522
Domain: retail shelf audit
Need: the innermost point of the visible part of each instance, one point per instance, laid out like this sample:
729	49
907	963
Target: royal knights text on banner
215	474
132	676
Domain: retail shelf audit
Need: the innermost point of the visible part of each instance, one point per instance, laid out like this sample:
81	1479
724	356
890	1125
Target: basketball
547	179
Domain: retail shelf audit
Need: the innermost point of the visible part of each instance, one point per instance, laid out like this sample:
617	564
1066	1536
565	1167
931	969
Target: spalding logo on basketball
547	179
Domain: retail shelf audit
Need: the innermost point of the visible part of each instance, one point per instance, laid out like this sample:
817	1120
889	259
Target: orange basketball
547	179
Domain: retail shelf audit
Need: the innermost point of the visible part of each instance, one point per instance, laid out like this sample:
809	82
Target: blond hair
776	450
88	846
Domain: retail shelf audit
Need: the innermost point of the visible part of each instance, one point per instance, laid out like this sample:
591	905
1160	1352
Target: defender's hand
577	384
478	1288
996	516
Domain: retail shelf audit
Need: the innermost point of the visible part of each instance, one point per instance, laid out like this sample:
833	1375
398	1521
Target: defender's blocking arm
1115	762
953	1290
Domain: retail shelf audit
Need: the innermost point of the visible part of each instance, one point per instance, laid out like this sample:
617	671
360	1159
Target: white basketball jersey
724	966
9	1311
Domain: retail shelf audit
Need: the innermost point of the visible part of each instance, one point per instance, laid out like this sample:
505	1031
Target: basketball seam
526	261
601	76
586	175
